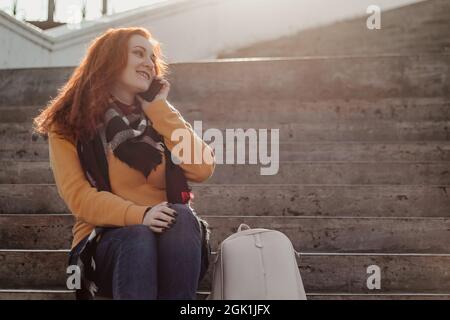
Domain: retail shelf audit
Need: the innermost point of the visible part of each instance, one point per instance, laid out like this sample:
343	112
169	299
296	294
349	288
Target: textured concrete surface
385	151
283	109
264	200
308	234
201	295
421	27
321	272
383	130
306	79
290	172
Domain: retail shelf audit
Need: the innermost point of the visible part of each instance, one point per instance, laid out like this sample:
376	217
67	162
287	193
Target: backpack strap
243	226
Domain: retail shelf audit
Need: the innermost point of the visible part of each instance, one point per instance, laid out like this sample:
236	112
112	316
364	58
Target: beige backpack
256	264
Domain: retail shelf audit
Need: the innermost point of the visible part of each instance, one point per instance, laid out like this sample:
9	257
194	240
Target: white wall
189	29
21	45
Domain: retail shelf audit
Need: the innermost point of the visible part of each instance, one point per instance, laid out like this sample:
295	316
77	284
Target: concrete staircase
364	158
364	171
416	28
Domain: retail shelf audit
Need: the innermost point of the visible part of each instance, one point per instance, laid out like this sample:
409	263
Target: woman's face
140	69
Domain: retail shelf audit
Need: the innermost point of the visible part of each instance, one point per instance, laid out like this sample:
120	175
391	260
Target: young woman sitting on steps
110	155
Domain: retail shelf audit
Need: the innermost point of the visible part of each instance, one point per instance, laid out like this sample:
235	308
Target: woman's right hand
164	92
160	217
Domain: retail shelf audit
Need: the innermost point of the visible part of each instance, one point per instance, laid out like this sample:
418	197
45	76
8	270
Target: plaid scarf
130	135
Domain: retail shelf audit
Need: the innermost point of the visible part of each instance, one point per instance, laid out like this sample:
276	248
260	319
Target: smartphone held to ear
152	91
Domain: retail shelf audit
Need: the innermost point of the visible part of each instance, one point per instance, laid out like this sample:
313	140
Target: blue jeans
134	262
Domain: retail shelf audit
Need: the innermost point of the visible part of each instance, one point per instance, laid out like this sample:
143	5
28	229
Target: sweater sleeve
103	208
166	119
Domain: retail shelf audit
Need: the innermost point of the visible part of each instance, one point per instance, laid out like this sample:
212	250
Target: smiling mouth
143	75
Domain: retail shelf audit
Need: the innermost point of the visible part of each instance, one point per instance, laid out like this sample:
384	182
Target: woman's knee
186	218
139	236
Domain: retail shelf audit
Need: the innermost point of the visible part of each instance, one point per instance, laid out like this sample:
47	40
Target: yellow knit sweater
132	192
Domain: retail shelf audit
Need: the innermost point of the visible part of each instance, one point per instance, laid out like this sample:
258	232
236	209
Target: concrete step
303	172
306	79
365	151
201	295
24	294
295	151
321	272
360	173
283	110
286	111
380	296
30	151
308	234
36	294
382	130
265	200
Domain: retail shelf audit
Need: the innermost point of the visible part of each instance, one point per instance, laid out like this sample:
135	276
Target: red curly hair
81	103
